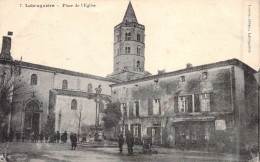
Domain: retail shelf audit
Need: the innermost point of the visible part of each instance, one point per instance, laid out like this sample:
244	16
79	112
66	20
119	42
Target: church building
199	105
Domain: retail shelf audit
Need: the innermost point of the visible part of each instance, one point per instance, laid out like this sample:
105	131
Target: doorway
32	117
32	122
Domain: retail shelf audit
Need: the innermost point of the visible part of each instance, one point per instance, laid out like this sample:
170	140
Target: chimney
189	65
161	71
6	47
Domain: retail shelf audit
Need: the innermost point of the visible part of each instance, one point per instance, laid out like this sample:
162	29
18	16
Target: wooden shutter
176	104
139	131
131	110
212	103
137	108
189	99
150	107
160	111
132	128
197	102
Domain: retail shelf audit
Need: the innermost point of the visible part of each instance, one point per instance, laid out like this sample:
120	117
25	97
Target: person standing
58	137
130	142
65	137
46	137
41	136
71	140
120	141
74	145
18	136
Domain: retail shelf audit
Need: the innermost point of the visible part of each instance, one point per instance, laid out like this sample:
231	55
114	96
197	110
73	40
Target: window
34	79
138	50
156	106
78	83
74	104
136	131
90	89
64	84
136	108
124	109
117	37
127	50
127	35
205	102
183	104
138	37
117	52
204	76
138	67
182	78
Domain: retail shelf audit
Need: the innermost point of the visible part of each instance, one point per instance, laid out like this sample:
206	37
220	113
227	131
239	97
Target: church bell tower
129	48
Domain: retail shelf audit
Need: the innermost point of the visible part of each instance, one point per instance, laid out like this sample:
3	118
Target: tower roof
130	14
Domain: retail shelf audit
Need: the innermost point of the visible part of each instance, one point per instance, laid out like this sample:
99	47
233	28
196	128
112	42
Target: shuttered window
197	102
150	107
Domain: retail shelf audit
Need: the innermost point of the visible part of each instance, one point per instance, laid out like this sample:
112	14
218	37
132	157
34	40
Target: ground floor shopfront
189	132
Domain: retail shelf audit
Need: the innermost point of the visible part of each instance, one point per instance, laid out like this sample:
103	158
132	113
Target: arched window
64	84
138	50
127	35
138	67
34	79
138	37
74	104
90	89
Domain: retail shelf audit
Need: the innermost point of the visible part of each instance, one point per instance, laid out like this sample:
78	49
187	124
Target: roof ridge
63	71
233	61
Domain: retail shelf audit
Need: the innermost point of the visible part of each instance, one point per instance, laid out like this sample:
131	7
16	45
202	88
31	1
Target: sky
177	32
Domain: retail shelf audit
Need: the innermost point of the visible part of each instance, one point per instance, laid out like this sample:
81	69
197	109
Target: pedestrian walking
120	141
130	142
58	137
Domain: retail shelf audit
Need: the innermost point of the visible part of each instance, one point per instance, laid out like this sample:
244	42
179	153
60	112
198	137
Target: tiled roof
193	69
130	14
63	71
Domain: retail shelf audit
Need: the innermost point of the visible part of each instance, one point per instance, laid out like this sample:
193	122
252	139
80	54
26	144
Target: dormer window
127	35
182	79
204	76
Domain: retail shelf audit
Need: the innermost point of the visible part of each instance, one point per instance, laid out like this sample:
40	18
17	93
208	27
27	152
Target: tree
112	115
13	90
81	116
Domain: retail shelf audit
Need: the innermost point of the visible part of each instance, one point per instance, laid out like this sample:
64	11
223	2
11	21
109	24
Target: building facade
196	105
201	106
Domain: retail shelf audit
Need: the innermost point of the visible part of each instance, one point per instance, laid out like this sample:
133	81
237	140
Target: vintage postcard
129	80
